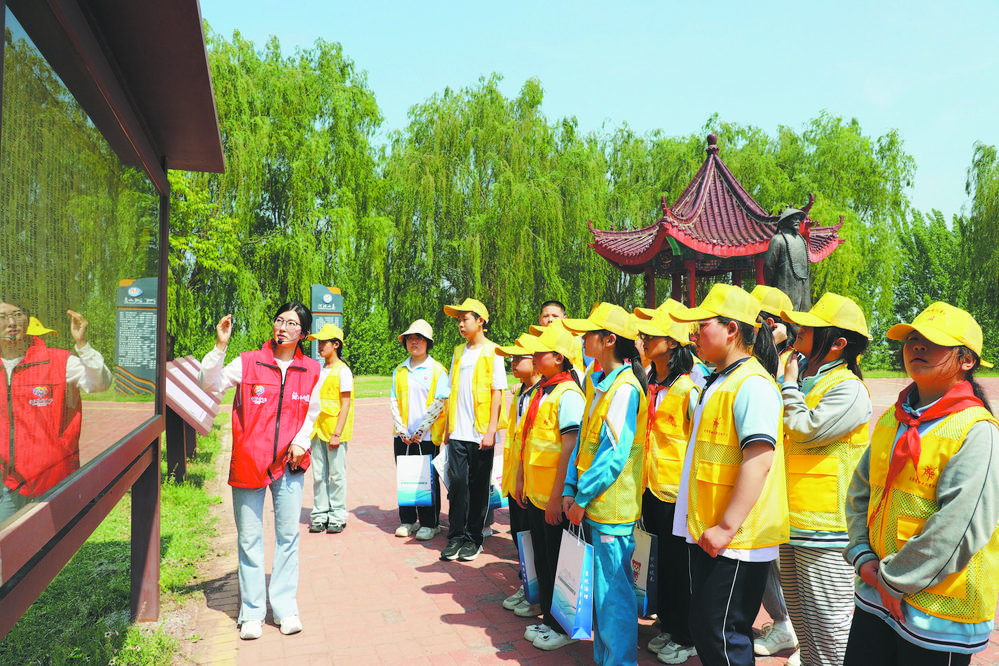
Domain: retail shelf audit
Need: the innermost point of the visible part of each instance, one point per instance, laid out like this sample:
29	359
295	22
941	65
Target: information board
135	337
327	308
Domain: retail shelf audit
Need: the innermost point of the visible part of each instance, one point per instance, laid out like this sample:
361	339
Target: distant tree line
482	195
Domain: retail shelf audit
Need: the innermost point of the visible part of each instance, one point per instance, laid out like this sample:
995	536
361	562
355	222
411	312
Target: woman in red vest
270	410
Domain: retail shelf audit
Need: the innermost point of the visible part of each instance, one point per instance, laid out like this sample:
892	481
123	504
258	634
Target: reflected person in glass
40	409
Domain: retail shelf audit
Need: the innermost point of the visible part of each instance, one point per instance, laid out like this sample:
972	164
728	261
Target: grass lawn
82	617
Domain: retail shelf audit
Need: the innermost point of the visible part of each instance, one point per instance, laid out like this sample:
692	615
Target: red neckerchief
532	408
909	445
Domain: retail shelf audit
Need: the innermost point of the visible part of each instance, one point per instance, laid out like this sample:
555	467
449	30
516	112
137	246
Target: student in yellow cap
923	506
604	484
548	433
475	415
672	398
418	396
827	410
333	405
731	505
523	370
773	302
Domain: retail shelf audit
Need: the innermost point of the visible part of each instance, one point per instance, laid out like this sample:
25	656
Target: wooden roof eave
641	259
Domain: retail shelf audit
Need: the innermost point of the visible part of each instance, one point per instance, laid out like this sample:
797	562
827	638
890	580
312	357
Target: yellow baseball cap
468	305
577	355
328	332
35	328
553	339
662	325
945	325
831	310
605	317
517	348
724	300
772	299
669	305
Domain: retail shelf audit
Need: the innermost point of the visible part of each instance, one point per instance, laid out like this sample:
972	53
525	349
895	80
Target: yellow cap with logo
669	305
577	355
605	317
35	328
662	325
772	299
517	348
554	339
945	325
328	332
831	310
724	300
468	305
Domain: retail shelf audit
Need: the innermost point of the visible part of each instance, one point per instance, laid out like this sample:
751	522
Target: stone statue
786	264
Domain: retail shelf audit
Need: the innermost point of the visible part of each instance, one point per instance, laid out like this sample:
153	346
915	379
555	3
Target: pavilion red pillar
758	261
691	266
676	286
737	278
650	287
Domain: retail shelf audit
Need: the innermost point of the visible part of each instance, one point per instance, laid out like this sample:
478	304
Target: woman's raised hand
223	331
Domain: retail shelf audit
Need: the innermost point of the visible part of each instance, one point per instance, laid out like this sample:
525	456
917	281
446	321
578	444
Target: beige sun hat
419	327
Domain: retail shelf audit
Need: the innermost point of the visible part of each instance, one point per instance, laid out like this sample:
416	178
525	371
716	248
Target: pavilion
715	227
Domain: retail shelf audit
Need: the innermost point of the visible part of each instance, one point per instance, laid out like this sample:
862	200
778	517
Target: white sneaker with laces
427	533
659	642
406	529
527	609
774	638
514	599
533	630
251	629
291	625
674	653
552	640
794	659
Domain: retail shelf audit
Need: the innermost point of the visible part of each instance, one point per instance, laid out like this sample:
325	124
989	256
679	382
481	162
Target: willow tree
980	255
294	206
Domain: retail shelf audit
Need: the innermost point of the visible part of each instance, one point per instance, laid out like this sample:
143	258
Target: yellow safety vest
819	476
544	447
968	595
402	397
511	450
668	439
715	467
329	395
482	389
622	501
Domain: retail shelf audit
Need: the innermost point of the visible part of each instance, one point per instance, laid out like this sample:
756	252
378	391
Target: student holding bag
732	502
923	506
418	396
826	427
604	482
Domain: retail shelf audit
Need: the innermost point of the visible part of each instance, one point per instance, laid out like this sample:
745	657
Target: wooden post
145	542
676	286
758	260
181	444
691	266
737	278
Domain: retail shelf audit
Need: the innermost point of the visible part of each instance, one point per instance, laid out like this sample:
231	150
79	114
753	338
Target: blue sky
928	69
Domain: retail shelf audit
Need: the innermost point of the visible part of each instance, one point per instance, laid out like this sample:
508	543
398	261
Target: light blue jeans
615	614
329	479
248	506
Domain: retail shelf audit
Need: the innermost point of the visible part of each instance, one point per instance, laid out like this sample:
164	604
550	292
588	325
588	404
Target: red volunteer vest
43	436
267	414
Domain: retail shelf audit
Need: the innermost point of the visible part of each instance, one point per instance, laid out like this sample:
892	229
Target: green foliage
370	348
980	255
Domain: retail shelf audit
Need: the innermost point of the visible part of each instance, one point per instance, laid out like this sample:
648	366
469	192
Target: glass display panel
78	267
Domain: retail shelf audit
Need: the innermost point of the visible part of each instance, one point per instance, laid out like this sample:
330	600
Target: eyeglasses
645	337
288	324
16	315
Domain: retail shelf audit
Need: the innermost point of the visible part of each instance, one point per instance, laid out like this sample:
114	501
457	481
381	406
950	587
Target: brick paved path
367	597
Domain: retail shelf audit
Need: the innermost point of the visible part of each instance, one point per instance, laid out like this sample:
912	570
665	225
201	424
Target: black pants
518	521
547	540
673	601
725	597
469	470
428	516
873	642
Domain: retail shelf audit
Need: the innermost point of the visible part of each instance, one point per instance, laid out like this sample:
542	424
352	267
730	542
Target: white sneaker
291	625
511	602
533	630
794	659
659	642
774	638
527	609
427	533
674	653
251	629
406	529
552	640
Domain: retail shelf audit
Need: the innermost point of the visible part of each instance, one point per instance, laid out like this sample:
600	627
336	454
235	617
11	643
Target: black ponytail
760	341
792	333
964	353
625	351
822	341
681	362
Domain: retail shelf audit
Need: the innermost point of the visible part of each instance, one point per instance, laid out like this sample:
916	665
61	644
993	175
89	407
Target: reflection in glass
76	222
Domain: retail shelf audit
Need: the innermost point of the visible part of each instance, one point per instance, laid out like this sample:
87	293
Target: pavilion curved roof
714	215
